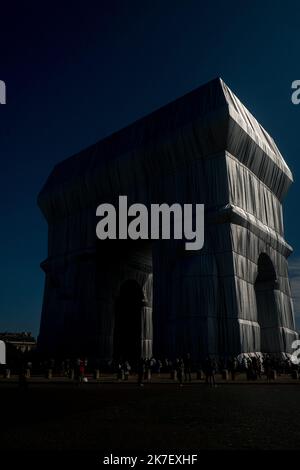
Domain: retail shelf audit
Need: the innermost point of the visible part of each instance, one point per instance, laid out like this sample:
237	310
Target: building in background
23	342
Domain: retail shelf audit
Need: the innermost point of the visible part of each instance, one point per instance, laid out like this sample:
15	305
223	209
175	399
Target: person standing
81	370
210	371
127	369
187	368
179	367
232	366
141	371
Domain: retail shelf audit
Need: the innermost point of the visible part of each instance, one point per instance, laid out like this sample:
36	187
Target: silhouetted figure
187	368
232	367
179	367
259	366
147	373
210	370
141	371
81	371
250	369
126	369
120	372
268	367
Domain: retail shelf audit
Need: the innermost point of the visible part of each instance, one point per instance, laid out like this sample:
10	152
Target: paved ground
123	416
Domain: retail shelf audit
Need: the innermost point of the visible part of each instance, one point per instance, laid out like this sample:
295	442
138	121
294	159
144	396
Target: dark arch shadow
267	312
128	322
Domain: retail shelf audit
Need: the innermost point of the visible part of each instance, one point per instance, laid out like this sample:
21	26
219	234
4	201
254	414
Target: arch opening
267	311
128	322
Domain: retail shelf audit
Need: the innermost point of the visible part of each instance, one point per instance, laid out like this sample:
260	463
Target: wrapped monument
130	298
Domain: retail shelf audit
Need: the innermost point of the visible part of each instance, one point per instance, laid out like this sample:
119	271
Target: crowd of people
255	367
182	369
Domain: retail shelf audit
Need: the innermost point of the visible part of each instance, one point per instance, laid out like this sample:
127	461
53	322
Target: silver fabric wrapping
203	148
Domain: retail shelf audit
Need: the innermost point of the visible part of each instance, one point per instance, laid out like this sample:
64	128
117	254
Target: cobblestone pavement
124	416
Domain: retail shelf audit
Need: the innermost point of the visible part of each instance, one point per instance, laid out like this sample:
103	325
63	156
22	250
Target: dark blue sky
74	75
